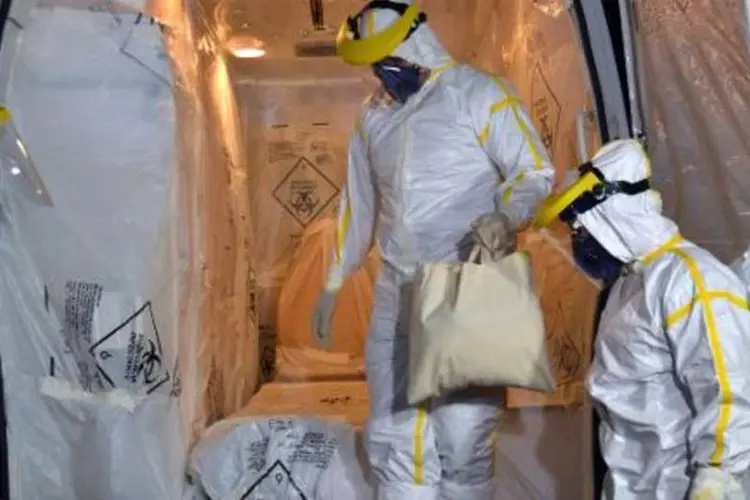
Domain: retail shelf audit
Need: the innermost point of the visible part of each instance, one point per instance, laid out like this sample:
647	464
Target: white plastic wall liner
596	44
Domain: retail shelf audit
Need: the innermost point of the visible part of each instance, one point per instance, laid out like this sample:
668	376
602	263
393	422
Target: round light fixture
246	47
248	53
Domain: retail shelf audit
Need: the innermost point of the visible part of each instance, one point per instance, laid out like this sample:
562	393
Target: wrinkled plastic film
696	65
280	457
298	117
299	129
228	363
95	284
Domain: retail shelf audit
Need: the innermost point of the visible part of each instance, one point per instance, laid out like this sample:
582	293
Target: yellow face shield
590	190
377	46
554	205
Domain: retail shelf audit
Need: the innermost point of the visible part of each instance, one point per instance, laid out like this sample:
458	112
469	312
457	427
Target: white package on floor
282	458
87	329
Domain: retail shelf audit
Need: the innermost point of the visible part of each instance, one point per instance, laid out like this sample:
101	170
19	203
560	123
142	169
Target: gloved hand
496	233
712	483
322	320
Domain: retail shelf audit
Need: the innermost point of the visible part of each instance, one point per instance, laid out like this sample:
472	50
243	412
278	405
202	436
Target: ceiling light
248	52
246	47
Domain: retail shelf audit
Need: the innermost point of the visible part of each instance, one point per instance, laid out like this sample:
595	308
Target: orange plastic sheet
695	63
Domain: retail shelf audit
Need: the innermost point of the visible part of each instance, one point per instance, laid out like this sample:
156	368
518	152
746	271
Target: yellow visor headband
553	206
378	46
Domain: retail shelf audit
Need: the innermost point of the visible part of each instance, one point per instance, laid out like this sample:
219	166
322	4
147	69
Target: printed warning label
109	351
305	192
256	454
545	109
138	37
131	354
276	482
294	448
315	449
81	302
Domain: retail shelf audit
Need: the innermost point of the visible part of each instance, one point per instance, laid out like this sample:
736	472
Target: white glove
322	320
495	232
712	483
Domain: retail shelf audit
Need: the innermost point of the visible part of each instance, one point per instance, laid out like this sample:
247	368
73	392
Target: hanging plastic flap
109	446
344	357
87	288
284	458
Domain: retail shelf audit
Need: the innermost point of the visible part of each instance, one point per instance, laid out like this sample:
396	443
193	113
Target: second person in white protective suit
671	375
441	149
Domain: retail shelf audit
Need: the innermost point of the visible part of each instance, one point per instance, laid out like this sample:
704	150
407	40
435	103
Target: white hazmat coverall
671	373
459	148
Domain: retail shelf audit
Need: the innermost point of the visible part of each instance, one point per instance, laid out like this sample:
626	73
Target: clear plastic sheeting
344	358
279	458
298	122
89	286
697	76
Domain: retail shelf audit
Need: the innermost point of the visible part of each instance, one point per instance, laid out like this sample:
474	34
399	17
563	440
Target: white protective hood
629	227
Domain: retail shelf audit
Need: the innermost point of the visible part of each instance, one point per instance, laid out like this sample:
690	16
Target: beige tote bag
476	324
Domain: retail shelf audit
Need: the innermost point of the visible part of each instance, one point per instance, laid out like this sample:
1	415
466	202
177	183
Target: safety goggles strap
613	187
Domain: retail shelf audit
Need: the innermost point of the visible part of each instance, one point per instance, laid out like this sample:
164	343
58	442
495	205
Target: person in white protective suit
670	376
440	150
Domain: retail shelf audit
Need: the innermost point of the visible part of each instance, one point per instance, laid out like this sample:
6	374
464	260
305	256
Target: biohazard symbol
304	202
143	363
305	192
275	482
148	365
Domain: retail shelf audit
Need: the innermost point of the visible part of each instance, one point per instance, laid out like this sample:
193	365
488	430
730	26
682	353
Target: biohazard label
566	355
316	449
305	192
256	455
138	37
131	355
81	302
275	483
545	109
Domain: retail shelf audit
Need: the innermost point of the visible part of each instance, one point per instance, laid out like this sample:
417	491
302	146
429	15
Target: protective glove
496	233
322	320
712	483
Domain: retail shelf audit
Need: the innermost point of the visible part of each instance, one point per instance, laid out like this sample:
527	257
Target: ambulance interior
170	178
